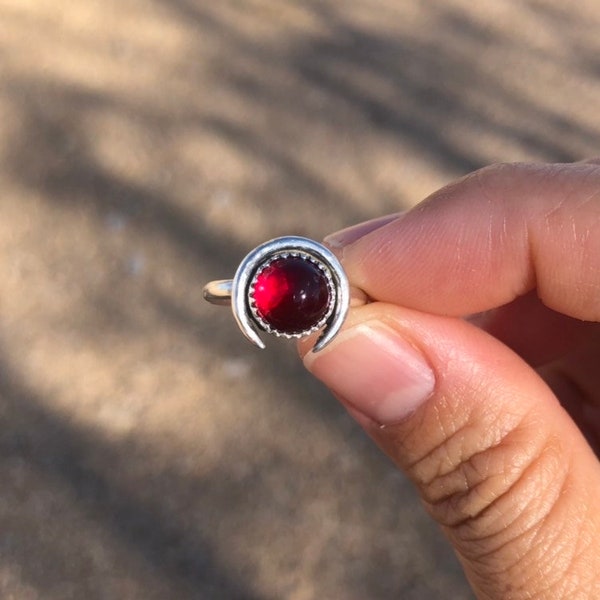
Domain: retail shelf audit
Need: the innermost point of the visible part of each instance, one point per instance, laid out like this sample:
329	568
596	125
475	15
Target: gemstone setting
243	305
291	295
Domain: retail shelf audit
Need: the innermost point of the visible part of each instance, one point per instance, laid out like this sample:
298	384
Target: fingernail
374	370
350	235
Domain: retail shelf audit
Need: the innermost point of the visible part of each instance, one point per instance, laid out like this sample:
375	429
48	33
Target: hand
477	369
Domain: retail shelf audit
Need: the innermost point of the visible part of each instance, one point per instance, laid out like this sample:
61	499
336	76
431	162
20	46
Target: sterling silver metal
218	292
237	292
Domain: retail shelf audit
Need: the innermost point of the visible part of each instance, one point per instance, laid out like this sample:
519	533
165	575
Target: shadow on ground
145	451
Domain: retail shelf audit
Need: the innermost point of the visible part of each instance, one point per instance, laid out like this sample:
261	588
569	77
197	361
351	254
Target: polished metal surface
218	292
236	291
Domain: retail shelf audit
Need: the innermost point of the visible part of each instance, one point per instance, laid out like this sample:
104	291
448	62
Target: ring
290	287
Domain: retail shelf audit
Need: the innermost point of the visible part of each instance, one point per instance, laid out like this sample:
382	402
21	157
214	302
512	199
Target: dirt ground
147	451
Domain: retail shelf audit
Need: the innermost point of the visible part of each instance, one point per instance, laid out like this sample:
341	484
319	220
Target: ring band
218	292
290	287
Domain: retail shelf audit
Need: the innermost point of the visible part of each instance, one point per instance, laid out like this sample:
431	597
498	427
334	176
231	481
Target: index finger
488	239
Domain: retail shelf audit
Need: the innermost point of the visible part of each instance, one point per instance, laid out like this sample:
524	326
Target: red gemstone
291	295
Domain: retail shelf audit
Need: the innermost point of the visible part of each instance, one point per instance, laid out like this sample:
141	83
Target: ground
147	451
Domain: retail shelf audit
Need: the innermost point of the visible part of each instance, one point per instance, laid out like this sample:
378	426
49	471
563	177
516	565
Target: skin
476	368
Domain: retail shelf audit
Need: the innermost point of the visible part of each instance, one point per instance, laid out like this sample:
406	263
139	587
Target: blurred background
147	451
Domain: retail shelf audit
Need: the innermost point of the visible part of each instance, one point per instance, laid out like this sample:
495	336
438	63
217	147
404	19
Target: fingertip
349	235
491	237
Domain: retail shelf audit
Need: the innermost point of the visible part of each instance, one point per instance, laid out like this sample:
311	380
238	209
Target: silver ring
290	287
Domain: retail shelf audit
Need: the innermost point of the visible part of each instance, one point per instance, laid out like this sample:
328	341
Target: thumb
497	461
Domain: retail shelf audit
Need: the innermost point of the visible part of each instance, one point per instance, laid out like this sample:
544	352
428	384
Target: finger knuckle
496	494
478	483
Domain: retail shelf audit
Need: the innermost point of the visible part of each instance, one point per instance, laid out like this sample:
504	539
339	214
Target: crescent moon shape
253	261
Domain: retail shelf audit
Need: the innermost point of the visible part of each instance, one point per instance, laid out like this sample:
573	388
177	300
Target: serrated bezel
262	323
324	257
